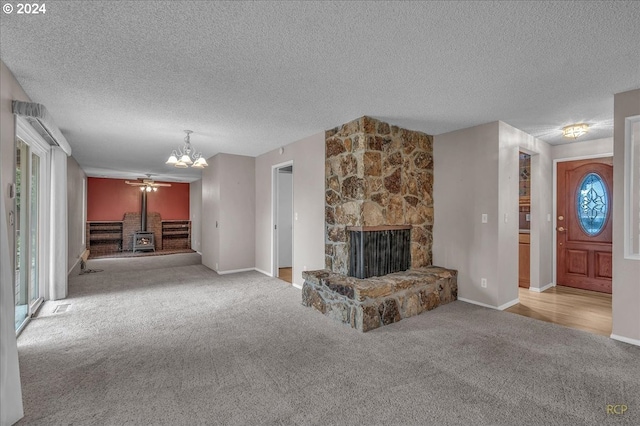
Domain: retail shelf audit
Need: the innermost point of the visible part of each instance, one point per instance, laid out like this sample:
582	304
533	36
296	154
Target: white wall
10	387
285	219
465	185
626	272
582	149
76	208
210	245
195	213
237	212
476	171
308	203
228	200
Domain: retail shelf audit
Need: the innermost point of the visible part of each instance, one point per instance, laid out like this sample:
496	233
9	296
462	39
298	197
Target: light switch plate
485	218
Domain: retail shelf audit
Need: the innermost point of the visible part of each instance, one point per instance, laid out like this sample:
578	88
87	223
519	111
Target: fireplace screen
379	251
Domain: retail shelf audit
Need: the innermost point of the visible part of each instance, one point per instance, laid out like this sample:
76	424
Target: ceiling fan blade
134	183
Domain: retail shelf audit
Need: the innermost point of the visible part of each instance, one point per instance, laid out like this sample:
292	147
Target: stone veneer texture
375	302
377	174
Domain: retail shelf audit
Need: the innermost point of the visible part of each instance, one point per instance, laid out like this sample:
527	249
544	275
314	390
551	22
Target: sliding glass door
28	235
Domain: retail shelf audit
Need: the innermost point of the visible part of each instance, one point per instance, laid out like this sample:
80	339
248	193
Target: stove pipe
143	212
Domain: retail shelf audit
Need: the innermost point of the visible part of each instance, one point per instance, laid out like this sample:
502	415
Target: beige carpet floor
164	340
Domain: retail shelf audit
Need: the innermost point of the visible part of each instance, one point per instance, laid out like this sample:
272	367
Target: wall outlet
485	218
548	217
296	216
483	282
304	268
216	266
506	217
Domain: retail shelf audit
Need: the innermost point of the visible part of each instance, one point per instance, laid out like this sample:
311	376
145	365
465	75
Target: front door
584	224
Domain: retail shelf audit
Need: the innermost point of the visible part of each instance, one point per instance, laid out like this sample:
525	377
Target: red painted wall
110	199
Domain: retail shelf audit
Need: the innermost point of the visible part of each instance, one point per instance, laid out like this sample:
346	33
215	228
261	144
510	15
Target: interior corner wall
511	141
10	386
465	186
76	196
625	290
195	212
228	213
308	156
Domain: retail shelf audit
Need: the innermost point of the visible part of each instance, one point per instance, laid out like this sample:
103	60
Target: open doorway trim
274	218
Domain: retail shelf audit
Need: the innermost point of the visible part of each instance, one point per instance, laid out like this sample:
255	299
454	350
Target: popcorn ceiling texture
249	77
377	174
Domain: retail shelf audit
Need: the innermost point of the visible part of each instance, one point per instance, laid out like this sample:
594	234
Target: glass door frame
40	148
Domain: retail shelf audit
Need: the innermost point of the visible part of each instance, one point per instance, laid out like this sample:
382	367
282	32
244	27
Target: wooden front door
584	224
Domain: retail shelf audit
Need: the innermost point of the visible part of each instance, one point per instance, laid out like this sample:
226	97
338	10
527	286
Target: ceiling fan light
172	159
181	165
142	188
202	162
197	165
574	131
148	188
155	189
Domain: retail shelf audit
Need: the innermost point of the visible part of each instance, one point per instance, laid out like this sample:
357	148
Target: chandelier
575	130
186	156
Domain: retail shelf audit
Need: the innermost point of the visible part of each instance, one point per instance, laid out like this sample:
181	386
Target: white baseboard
298	286
263	272
541	289
499	308
84	255
235	271
73	267
473	302
625	339
509	304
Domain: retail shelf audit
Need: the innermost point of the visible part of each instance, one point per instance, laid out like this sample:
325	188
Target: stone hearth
366	304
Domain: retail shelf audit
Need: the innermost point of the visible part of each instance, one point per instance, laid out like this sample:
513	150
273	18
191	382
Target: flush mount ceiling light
574	131
186	156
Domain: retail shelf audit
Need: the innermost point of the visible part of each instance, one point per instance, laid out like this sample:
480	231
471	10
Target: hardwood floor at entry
571	307
285	274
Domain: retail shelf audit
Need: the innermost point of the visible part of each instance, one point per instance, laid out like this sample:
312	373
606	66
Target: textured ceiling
123	79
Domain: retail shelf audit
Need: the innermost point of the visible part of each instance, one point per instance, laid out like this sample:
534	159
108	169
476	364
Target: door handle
560	229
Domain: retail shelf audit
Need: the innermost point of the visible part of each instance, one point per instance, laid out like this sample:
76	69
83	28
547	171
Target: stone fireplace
377	175
379	219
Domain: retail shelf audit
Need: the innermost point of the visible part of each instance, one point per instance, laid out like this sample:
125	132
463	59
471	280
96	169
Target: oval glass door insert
592	204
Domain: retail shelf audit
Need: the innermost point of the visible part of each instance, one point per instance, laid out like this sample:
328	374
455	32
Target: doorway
524	224
283	221
584	224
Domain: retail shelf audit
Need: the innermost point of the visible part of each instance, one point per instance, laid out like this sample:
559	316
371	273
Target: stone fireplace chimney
377	175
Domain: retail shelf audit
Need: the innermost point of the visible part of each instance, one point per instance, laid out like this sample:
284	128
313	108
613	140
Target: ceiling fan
147	184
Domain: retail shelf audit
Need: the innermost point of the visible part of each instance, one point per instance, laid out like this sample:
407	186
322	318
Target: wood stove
144	241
